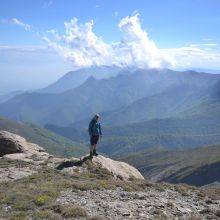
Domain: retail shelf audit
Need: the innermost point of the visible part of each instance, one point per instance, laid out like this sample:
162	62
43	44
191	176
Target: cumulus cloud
136	48
83	47
79	44
194	57
17	22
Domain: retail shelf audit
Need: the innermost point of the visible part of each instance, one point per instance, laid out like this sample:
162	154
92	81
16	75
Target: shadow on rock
67	164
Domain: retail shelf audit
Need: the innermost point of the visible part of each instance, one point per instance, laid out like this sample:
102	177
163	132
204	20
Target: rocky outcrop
11	143
117	168
19	158
16	148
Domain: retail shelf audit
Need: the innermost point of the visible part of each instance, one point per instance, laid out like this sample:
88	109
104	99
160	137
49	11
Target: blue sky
167	29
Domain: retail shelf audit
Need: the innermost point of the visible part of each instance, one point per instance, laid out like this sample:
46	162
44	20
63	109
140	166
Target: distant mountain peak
91	79
75	78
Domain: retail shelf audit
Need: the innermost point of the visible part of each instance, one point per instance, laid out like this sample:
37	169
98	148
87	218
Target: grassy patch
46	214
183	189
33	196
42	200
18	216
74	211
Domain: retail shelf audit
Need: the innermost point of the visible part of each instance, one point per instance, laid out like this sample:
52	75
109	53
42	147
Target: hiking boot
95	153
91	155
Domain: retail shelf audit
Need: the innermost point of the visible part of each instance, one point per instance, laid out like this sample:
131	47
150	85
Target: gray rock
154	207
11	143
118	168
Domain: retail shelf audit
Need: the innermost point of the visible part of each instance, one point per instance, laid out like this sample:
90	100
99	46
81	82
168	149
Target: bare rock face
15	148
11	143
118	168
19	158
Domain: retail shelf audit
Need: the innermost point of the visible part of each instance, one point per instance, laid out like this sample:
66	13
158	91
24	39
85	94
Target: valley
141	110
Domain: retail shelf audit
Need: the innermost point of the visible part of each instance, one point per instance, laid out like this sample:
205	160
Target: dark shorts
94	139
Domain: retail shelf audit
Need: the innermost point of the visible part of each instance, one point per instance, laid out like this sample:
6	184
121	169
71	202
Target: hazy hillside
75	78
197	166
176	101
52	142
110	94
170	103
171	132
5	97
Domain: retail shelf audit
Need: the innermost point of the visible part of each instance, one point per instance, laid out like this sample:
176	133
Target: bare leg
92	147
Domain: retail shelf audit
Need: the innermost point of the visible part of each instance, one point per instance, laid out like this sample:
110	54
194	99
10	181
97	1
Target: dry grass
74	211
35	196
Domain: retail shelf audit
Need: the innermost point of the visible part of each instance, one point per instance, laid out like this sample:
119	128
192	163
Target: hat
97	115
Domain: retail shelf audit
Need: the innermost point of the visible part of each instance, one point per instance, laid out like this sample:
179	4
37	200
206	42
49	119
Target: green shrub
127	188
104	184
41	200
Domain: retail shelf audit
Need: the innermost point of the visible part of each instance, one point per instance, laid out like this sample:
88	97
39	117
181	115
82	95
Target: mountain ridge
112	93
73	79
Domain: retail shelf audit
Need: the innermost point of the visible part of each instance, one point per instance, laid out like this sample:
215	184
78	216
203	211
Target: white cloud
211	45
136	48
79	44
83	47
194	57
17	22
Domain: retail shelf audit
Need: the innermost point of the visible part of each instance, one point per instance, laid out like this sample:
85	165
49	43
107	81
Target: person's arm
100	129
90	127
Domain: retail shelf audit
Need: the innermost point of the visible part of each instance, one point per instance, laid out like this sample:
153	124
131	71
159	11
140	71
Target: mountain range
75	78
149	94
177	112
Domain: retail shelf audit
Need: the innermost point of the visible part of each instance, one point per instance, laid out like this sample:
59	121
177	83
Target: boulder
117	168
11	143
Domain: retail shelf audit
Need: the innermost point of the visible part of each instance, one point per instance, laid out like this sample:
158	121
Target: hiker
95	133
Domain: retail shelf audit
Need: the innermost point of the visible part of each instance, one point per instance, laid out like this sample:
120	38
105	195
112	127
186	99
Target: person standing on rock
95	132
